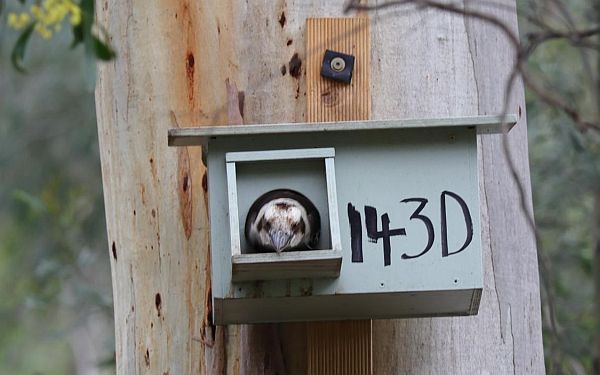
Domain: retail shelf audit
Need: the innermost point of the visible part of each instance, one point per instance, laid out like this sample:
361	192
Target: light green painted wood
332	204
324	262
347	306
305	153
197	136
286	265
377	168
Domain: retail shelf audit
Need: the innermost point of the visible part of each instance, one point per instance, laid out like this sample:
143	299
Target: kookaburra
282	220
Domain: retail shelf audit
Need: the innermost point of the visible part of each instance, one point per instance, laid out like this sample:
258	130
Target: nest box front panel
304	175
408	216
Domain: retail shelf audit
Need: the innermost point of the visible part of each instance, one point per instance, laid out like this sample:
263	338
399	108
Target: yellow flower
24	19
75	15
18	21
47	17
13	20
43	31
36	11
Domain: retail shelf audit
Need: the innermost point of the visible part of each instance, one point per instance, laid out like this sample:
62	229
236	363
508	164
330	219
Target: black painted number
468	223
355	234
428	224
374	234
385	233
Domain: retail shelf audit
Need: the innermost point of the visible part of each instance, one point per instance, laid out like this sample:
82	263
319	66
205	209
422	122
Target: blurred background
55	284
55	287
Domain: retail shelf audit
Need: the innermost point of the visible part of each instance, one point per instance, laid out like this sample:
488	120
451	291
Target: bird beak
279	239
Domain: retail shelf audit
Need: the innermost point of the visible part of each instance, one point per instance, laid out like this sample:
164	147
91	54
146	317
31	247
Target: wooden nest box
399	208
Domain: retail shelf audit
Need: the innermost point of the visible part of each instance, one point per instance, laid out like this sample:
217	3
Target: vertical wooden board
338	347
328	100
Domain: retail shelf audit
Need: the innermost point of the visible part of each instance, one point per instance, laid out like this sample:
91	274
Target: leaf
18	52
102	50
87	7
85	27
33	203
77	36
84	34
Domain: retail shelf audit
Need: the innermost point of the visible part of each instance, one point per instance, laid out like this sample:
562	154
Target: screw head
338	64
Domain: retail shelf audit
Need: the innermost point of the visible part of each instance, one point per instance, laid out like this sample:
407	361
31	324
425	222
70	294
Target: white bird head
282	220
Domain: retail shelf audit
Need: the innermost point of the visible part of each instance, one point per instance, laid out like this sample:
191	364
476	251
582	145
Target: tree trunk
596	244
174	58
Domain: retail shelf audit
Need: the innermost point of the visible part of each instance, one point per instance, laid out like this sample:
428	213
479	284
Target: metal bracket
337	66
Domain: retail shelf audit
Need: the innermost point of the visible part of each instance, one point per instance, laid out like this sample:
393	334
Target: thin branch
447	7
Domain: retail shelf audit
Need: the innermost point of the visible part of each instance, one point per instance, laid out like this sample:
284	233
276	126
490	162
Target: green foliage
565	171
82	30
562	176
54	265
94	46
18	52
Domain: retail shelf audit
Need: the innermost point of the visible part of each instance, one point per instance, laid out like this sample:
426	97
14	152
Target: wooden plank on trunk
338	347
329	100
